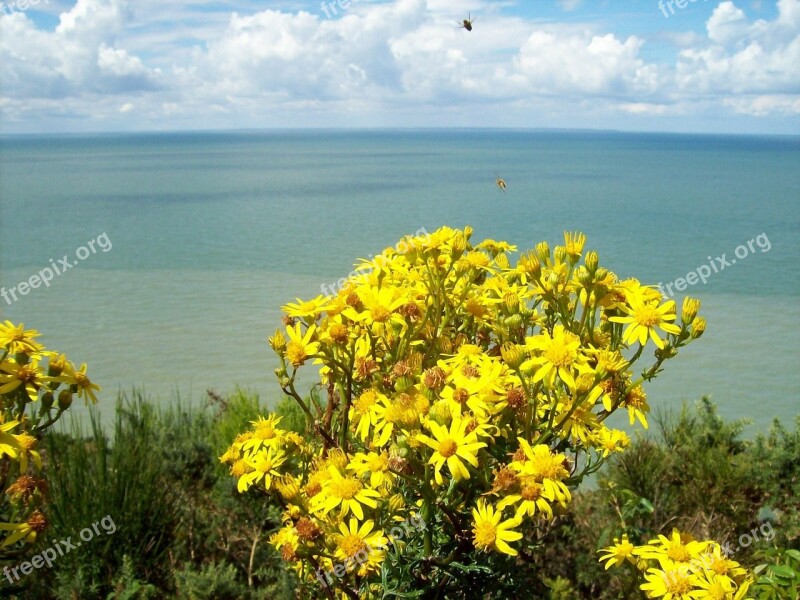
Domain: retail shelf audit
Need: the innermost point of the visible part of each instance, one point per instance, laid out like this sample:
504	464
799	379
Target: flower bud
543	252
511	300
468	232
459	245
584	276
278	342
689	309
47	401
601	274
592	260
531	265
698	327
560	254
64	399
513	321
513	354
502	261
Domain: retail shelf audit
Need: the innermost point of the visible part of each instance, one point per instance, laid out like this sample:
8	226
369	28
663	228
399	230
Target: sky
699	66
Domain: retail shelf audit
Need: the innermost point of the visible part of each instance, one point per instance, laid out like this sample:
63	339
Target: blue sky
636	65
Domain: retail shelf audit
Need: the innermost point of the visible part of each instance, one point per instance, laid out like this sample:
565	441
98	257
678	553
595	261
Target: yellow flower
643	318
530	499
557	354
617	554
18	339
376	466
347	492
30	376
264	463
636	403
573	243
491	532
451	446
671	582
300	346
361	545
547	467
307	308
265	433
608	441
672	550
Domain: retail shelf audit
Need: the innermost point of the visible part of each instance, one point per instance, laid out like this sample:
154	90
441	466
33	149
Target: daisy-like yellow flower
616	555
675	549
635	402
671	582
607	441
80	382
30	376
286	541
490	532
265	465
27	530
546	466
451	446
403	412
18	339
558	354
644	317
573	242
305	308
265	433
379	304
362	545
376	466
529	500
362	413
300	346
348	493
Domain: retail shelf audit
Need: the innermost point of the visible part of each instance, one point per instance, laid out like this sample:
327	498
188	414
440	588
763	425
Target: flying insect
466	23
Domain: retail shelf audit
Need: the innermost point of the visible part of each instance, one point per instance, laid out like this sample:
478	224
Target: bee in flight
501	183
466	23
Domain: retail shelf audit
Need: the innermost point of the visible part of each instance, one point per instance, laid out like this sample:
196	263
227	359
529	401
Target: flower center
365	402
678	553
559	355
447	448
530	492
346	488
295	352
677	583
352	545
485	535
380	313
647	316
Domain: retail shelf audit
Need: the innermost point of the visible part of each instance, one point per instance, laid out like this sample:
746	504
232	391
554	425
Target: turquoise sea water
210	233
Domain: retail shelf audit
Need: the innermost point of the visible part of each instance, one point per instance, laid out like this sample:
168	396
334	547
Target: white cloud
110	58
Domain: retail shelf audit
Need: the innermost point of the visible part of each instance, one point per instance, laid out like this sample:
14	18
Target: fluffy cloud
404	56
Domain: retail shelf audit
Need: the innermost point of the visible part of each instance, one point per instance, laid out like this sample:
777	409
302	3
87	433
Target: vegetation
445	453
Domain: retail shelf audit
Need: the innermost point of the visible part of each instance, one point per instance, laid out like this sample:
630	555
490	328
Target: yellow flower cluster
36	387
679	568
458	383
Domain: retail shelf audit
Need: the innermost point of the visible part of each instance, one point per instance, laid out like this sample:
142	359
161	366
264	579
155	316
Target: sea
184	246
